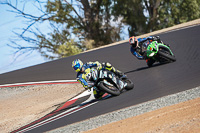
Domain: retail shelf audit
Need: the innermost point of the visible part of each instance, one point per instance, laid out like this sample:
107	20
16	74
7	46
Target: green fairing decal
153	48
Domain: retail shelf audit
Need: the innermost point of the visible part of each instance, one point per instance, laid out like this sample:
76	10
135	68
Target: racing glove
99	65
156	38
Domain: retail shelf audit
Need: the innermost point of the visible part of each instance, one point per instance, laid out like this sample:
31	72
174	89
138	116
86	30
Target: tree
143	16
132	12
90	22
139	15
178	11
190	10
74	24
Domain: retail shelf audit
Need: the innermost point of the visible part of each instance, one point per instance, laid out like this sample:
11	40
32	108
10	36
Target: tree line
79	25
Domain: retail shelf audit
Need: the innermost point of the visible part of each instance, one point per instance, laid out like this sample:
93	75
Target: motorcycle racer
139	45
83	72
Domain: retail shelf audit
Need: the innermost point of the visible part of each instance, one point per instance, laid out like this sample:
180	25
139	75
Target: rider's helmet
133	42
77	65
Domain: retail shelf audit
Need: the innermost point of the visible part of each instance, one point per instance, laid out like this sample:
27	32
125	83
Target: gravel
121	114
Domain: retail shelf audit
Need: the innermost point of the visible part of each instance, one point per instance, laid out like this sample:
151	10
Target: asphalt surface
150	83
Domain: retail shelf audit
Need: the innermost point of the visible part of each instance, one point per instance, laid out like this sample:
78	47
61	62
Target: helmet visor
77	66
131	41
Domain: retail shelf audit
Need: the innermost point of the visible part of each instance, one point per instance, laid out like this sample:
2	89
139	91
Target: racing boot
98	94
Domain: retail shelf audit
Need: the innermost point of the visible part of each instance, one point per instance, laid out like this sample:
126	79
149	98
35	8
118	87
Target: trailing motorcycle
107	81
159	52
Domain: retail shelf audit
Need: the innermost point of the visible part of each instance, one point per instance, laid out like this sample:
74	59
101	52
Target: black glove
156	38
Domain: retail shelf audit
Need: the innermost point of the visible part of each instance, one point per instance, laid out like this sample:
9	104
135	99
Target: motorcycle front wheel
167	56
109	89
130	84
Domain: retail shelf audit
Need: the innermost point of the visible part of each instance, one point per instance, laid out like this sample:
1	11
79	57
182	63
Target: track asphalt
150	83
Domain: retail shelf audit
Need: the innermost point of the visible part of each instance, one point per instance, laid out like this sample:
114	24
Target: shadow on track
144	68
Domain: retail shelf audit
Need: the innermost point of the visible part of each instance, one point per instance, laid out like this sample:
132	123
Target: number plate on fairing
103	74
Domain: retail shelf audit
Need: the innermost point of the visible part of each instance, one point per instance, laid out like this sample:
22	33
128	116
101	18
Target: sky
9	23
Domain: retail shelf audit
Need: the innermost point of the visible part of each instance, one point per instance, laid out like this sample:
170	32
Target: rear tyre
150	62
109	89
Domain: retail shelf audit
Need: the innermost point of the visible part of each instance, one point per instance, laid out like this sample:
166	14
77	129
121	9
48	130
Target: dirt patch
180	118
22	105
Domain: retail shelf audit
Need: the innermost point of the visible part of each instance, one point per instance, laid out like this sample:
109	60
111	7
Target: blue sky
9	23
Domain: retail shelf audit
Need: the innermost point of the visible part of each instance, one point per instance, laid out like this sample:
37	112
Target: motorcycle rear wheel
109	89
150	62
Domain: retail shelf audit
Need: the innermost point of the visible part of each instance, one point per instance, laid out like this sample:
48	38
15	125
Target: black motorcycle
108	82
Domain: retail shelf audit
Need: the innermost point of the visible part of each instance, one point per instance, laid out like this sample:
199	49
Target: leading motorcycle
159	52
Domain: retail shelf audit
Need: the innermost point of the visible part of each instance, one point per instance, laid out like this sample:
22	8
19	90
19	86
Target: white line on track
66	113
59	116
40	82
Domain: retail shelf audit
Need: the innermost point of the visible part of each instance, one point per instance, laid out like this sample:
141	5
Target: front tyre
109	89
167	56
130	84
